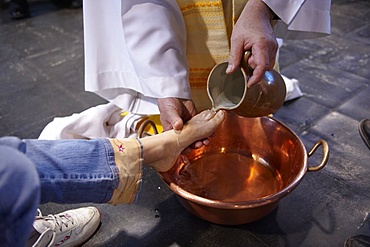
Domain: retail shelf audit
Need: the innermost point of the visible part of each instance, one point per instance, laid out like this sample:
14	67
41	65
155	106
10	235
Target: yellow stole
208	26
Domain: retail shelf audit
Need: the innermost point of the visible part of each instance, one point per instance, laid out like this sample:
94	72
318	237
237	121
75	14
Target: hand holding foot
162	150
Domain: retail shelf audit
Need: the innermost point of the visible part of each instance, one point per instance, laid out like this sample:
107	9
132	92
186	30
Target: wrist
260	9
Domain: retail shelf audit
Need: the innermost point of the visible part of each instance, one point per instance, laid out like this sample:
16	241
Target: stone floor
41	77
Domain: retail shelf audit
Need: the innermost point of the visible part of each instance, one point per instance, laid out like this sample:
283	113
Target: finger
173	119
198	144
189	110
186	151
265	59
259	61
206	142
236	52
166	126
257	75
177	124
171	122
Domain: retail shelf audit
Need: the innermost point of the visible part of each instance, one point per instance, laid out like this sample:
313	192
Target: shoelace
61	220
58	220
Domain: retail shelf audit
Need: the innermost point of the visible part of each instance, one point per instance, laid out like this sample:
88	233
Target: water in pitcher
229	177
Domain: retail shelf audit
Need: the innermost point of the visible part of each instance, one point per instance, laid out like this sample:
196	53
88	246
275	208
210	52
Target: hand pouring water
230	91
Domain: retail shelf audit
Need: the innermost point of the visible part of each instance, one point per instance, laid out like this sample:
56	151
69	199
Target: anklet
141	148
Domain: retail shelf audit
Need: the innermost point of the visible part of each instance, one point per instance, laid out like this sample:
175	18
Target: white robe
135	52
301	19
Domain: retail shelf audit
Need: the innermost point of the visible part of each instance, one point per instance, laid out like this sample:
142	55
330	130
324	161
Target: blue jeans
40	171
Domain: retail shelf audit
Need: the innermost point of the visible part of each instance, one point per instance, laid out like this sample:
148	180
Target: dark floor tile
362	34
345	26
349	155
301	114
293	51
346	55
18	75
40	104
354	9
319	81
41	41
358	107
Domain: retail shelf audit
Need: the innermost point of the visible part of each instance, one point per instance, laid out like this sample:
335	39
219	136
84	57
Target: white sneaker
70	228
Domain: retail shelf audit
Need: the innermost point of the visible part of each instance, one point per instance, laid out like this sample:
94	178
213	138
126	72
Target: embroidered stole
208	26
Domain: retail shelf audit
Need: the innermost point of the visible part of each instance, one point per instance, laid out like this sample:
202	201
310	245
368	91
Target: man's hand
175	112
253	32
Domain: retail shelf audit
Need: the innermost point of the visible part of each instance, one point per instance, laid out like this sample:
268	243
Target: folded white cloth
292	88
104	120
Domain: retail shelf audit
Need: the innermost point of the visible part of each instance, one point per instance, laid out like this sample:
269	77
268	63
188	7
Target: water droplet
156	213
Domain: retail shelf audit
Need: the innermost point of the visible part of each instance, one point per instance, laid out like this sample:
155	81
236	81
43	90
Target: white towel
292	88
100	121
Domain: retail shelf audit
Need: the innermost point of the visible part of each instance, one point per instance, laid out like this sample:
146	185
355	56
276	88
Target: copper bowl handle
325	153
143	126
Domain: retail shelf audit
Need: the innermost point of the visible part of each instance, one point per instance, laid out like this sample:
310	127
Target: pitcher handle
244	63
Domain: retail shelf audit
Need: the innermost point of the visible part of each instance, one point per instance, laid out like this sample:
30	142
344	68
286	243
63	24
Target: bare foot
162	150
200	126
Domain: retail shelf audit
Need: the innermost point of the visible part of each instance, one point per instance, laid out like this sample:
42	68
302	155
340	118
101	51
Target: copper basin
250	165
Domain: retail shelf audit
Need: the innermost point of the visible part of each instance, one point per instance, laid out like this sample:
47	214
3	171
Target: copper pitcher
230	91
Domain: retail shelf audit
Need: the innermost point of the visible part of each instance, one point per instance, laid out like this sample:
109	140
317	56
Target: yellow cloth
208	28
208	34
